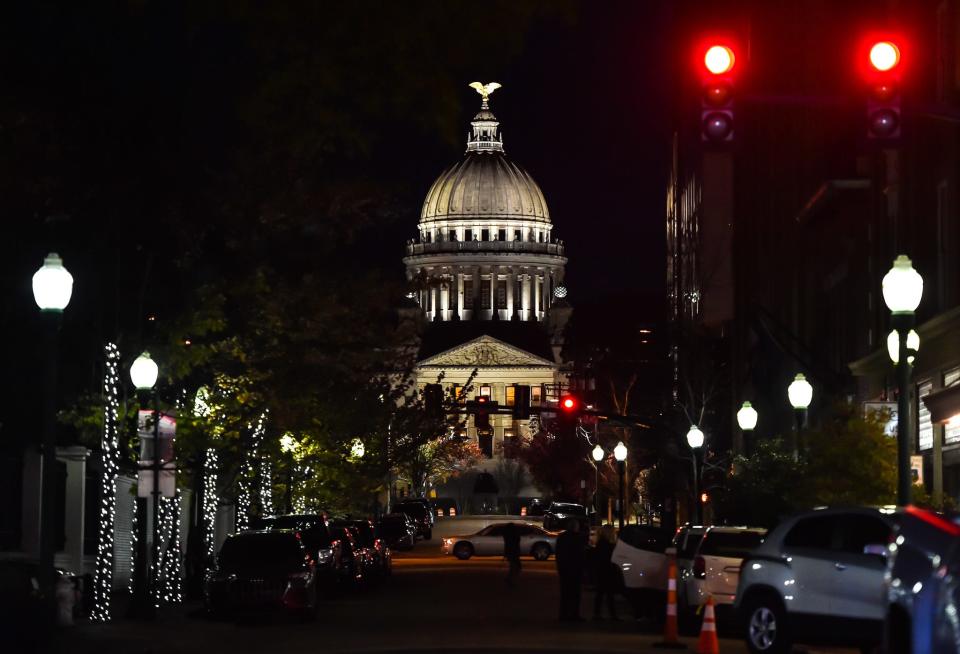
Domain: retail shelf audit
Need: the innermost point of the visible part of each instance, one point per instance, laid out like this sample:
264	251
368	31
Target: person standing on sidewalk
571	551
511	552
605	572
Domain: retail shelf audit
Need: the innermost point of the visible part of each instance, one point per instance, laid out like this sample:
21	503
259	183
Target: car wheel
541	551
766	626
463	551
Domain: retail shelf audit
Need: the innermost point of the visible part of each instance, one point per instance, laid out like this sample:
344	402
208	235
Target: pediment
486	352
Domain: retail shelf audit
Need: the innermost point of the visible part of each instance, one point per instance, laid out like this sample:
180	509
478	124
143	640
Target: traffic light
716	93
481	408
433	400
883	91
521	402
570	407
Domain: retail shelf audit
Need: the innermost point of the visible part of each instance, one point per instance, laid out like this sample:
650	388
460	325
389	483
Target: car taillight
699	567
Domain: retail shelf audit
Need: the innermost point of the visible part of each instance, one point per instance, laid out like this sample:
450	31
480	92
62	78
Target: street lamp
800	394
893	345
52	288
143	374
747	419
598	455
902	292
620	454
695	441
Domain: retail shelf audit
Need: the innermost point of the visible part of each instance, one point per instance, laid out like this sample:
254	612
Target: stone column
493	291
437	310
455	296
545	292
511	307
76	459
476	293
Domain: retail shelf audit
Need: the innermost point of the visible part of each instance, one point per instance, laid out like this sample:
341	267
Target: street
432	602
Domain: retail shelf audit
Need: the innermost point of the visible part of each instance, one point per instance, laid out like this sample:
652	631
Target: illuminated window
536	394
485	391
511	395
468	294
458	392
502	294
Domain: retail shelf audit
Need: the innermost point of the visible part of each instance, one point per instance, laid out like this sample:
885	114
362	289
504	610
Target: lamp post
52	288
143	374
598	455
800	394
902	292
695	441
288	445
747	419
620	454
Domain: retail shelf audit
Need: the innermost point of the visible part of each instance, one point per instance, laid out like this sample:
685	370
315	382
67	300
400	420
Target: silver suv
818	578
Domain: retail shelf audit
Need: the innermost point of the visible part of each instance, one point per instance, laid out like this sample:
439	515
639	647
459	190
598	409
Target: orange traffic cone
670	631
708	633
523	510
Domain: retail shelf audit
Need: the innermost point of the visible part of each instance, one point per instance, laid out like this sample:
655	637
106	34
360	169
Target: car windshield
281	551
731	544
574	509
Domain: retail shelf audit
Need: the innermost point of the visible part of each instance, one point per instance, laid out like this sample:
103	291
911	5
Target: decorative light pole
902	292
598	455
143	374
747	419
800	394
695	441
52	288
620	454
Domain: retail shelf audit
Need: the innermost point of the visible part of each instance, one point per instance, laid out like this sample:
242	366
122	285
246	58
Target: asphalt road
431	603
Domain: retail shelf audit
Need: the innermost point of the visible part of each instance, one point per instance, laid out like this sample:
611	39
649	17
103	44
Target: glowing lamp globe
718	59
893	345
357	450
52	284
598	453
695	437
884	56
143	372
800	392
747	417
902	287
620	452
288	444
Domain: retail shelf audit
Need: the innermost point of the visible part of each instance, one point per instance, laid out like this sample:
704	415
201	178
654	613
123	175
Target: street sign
166	429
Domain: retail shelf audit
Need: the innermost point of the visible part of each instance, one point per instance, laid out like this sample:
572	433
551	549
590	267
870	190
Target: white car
534	541
641	556
818	578
714	569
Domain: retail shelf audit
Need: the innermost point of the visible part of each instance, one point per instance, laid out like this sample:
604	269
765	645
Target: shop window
924	426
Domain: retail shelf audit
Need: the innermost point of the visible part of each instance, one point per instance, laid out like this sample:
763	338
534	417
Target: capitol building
489	274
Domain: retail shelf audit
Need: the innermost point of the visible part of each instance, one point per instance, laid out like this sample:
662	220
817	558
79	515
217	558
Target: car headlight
324	555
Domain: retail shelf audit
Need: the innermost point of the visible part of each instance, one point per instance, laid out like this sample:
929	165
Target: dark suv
324	547
556	516
421	512
262	570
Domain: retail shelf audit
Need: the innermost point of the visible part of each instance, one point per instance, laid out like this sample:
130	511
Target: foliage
510	475
765	487
557	460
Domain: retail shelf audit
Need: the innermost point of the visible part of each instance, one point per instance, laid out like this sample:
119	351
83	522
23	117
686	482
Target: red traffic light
884	56
719	59
569	403
483	399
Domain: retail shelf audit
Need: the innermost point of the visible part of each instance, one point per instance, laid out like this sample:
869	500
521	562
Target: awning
943	405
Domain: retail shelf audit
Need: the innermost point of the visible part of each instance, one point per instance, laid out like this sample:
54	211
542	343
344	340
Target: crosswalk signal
716	93
883	91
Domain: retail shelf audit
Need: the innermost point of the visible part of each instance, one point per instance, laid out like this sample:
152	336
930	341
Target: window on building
458	392
452	235
485	391
951	431
511	394
484	234
517	235
502	294
502	235
924	425
468	294
484	295
468	235
536	395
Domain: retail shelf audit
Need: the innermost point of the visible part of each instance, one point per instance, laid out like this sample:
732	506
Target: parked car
556	516
640	554
685	542
259	570
377	557
421	512
314	529
923	584
714	569
353	563
398	531
817	578
534	540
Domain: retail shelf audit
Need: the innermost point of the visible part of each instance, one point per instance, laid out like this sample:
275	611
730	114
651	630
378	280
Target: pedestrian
571	550
511	552
605	572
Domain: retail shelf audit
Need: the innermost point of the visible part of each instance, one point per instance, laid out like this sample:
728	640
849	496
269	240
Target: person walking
571	550
605	572
511	552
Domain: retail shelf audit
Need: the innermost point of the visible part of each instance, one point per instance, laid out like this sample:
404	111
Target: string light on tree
109	445
266	473
210	501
